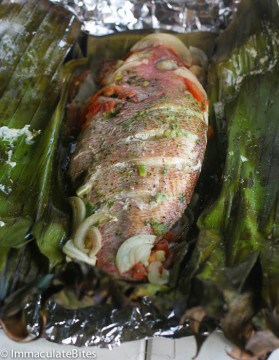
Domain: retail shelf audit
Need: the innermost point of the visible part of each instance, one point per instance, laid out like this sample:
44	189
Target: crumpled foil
105	326
101	17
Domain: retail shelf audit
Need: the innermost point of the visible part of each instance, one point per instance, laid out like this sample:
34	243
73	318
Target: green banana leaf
235	262
36	38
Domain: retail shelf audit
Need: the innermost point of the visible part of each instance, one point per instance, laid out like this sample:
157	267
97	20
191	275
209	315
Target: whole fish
137	160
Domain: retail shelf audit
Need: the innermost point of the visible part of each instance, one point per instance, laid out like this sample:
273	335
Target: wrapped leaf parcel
226	269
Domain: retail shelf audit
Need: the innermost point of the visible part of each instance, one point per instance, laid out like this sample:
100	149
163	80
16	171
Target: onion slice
166	65
85	233
188	75
87	240
126	66
133	250
199	57
157	275
93	240
167	40
79	211
74	253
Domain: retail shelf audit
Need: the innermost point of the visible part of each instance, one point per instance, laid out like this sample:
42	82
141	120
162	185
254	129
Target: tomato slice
170	236
139	271
195	91
120	91
162	245
95	105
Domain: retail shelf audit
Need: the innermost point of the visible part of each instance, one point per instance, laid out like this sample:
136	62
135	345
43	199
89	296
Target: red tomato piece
195	91
139	271
162	245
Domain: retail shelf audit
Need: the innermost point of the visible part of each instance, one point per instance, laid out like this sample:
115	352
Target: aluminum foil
105	326
101	17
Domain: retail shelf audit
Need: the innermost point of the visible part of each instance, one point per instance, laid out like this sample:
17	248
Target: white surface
215	348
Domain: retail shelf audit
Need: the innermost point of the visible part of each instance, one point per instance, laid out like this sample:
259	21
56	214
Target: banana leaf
235	262
30	63
35	39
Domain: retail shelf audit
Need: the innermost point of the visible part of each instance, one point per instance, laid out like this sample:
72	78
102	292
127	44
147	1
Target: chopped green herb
110	204
181	198
118	232
175	130
159	229
128	124
142	170
145	54
165	170
160	197
91	208
142	113
110	113
97	224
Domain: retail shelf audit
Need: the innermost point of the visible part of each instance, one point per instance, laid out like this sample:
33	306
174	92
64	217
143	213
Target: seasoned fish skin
140	152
